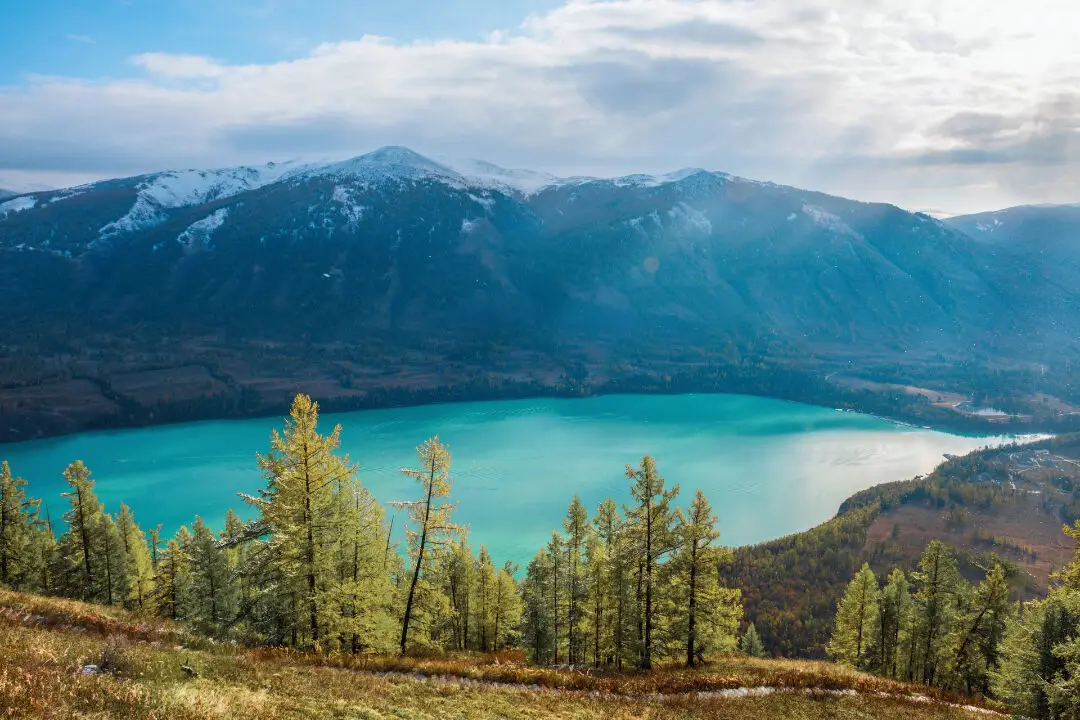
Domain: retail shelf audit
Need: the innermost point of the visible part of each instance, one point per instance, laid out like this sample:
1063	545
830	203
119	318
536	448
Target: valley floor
63	659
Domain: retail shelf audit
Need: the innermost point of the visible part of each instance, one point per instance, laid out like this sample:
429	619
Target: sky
948	106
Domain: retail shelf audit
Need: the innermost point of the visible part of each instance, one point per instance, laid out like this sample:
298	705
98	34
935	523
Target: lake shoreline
776	466
775	384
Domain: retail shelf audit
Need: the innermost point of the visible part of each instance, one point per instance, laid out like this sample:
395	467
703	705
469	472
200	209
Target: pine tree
554	550
1039	668
978	634
140	571
709	614
485	602
855	617
114	561
610	530
651	520
699	531
894	605
595	576
537	630
82	546
508	606
213	592
298	509
431	531
938	581
364	580
576	527
172	584
460	574
20	566
750	643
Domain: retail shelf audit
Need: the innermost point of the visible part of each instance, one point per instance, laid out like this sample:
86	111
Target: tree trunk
85	540
309	522
555	584
691	630
419	562
646	657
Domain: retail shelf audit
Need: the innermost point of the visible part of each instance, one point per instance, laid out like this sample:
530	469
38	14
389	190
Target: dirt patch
1030	531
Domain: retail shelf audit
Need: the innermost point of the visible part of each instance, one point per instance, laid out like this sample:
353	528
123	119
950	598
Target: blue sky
96	38
948	105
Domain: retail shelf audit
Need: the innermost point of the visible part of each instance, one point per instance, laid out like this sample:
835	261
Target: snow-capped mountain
395	242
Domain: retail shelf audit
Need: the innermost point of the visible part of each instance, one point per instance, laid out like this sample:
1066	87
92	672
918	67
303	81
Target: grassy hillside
1010	503
64	659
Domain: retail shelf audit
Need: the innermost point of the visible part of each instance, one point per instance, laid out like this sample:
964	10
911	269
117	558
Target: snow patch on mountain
829	221
691	217
19	204
186	188
995	222
487	202
480	174
201	232
353	210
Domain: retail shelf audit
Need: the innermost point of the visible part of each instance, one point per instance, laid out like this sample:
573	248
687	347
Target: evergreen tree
894	606
430	532
610	529
114	561
694	560
750	643
298	509
576	527
20	565
854	631
82	546
938	581
537	622
485	600
595	576
172	584
213	592
508	607
651	526
460	574
364	586
554	550
140	571
1039	661
978	633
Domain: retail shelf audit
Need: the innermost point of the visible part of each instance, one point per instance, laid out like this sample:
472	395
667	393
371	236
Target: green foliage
1039	669
22	563
430	535
750	643
854	633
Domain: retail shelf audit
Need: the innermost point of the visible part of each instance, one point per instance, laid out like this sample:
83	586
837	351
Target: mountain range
395	241
399	248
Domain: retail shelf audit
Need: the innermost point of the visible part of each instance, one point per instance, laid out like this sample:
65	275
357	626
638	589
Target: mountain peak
399	155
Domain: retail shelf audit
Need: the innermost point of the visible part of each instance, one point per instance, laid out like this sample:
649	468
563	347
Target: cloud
84	39
960	105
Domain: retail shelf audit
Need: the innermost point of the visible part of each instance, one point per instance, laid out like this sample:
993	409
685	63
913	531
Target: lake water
769	467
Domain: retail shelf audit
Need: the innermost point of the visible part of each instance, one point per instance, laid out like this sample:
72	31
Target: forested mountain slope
1007	504
236	277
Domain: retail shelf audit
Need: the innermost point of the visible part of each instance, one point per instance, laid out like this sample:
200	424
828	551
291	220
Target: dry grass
45	643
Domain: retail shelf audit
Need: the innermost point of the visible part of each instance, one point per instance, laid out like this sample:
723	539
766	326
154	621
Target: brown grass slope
46	646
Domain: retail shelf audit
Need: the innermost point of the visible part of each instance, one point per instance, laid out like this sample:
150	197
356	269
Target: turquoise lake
769	467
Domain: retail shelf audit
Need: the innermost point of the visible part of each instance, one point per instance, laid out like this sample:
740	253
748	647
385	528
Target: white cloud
954	104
